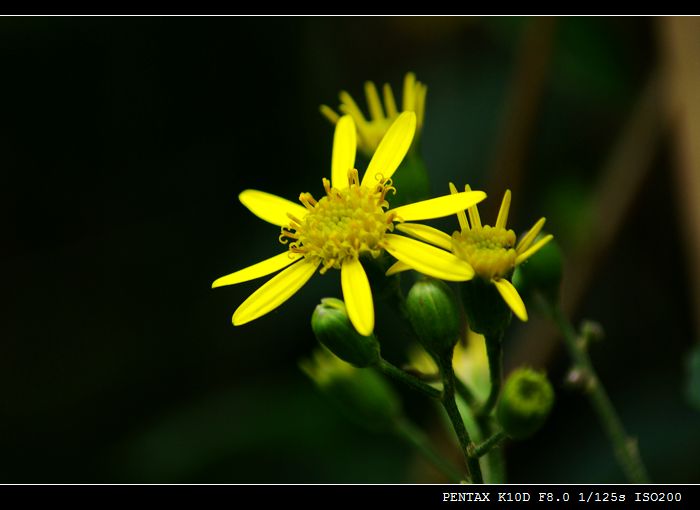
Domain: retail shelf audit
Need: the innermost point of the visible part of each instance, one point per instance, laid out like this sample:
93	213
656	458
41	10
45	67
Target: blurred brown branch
522	107
621	180
679	39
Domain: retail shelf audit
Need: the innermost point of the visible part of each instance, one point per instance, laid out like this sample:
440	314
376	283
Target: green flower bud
487	312
334	330
363	395
542	272
434	315
525	403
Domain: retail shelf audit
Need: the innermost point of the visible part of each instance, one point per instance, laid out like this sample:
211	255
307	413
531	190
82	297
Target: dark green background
124	143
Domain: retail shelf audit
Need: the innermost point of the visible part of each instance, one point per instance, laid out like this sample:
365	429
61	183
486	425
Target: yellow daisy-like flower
351	220
492	251
370	132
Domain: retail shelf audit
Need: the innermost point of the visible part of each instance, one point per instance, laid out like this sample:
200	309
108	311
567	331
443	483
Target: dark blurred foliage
124	143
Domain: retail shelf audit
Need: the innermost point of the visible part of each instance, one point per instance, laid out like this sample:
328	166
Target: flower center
489	250
342	225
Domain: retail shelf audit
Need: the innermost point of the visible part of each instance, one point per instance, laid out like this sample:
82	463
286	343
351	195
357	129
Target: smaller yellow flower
370	132
492	251
352	220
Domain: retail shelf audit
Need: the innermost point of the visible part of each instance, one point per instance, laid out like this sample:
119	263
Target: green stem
450	405
494	351
414	436
625	447
488	445
494	465
395	372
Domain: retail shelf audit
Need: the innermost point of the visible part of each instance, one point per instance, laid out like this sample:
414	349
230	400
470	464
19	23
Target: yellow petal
389	102
527	239
511	297
428	259
349	106
409	92
533	249
271	208
373	102
428	234
328	113
275	292
263	268
439	207
344	148
503	212
397	267
420	104
358	296
392	149
461	216
473	212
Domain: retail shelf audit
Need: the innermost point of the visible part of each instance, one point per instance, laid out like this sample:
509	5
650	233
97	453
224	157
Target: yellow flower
370	132
491	251
351	220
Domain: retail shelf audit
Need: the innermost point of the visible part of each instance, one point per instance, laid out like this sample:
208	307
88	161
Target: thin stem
487	446
450	405
625	447
395	372
494	467
494	351
414	436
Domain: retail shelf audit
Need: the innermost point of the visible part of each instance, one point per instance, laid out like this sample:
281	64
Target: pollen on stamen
353	177
489	250
308	200
343	225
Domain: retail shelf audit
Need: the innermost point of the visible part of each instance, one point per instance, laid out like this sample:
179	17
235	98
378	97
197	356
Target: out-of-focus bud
334	330
434	315
525	403
541	272
362	394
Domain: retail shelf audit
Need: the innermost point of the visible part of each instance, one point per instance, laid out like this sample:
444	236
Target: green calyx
487	312
333	329
434	315
542	272
525	403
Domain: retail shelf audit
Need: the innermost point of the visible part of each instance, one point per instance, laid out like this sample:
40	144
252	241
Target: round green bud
542	272
333	329
487	312
525	403
433	313
362	394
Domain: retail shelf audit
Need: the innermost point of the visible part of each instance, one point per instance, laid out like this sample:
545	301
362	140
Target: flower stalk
450	405
494	352
625	447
